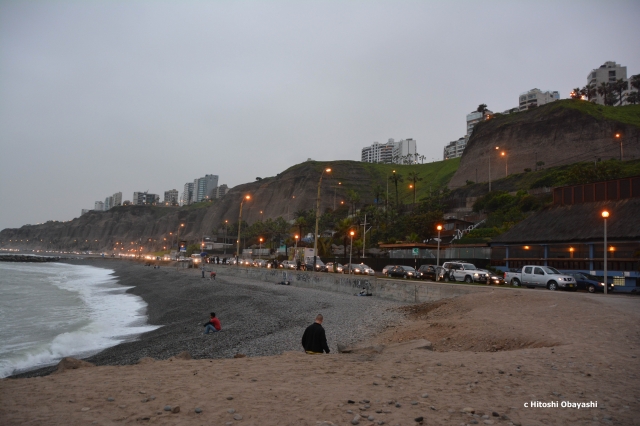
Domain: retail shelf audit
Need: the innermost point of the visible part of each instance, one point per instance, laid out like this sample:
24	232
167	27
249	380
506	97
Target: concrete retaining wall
411	291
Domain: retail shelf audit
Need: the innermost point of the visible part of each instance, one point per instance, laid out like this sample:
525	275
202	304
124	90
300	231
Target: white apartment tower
171	197
536	97
117	199
609	72
187	193
203	187
98	206
390	152
455	149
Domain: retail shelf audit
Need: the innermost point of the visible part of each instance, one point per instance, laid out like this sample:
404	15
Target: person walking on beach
213	325
314	340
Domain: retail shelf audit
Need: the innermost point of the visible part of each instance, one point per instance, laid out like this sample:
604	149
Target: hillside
559	133
280	196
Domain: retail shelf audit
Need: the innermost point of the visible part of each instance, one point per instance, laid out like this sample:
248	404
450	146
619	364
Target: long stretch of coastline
258	318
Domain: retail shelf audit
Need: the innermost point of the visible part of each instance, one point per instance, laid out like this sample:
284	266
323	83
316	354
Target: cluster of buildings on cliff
201	189
404	151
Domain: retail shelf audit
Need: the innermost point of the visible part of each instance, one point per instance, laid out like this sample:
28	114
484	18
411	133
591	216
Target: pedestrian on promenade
213	325
314	340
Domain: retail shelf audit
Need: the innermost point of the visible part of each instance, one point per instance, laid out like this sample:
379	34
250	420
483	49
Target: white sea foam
53	310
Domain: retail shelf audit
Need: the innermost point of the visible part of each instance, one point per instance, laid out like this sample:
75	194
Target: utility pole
364	236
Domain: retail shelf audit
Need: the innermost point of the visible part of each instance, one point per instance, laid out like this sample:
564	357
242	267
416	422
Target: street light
605	215
506	163
387	200
295	250
335	188
439	228
351	251
246	197
619	137
260	249
226	225
315	237
497	147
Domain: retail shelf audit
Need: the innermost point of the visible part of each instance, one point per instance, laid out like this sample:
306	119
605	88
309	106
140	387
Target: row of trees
612	92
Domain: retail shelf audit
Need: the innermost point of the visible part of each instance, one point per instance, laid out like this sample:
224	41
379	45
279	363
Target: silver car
358	269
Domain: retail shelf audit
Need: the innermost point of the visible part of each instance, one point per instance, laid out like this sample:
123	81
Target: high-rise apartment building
187	194
474	118
203	187
84	211
536	97
455	149
390	152
609	72
117	199
171	197
221	191
98	206
143	198
108	203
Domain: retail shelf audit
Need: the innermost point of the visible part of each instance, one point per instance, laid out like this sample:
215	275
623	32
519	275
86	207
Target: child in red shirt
213	325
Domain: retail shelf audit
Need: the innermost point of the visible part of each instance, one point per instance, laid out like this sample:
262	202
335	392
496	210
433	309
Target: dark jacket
314	339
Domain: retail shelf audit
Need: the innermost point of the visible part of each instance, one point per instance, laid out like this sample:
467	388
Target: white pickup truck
541	276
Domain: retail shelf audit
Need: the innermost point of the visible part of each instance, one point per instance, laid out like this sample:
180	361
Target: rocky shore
258	318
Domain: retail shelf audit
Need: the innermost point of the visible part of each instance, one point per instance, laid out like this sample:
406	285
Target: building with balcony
536	97
391	152
99	206
171	197
609	72
144	198
187	194
455	149
474	118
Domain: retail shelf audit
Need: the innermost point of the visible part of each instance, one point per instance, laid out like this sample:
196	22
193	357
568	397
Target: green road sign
415	251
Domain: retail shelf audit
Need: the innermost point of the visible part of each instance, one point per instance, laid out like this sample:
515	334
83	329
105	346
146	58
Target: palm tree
395	178
620	86
414	177
482	108
422	158
354	199
633	98
576	93
589	91
635	81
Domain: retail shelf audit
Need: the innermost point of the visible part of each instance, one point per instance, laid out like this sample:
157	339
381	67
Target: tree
482	108
633	98
354	199
414	177
576	93
634	81
395	178
620	86
378	190
589	91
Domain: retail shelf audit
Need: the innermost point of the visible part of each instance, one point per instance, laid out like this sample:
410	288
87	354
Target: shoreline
258	318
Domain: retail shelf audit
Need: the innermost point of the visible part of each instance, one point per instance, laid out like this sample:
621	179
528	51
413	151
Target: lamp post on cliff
226	226
506	163
605	215
246	197
352	233
315	237
618	137
497	147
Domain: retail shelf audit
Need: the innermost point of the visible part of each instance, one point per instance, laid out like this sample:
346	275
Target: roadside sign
416	251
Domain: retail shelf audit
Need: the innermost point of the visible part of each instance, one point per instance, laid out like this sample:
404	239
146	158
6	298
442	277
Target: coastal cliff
562	132
280	196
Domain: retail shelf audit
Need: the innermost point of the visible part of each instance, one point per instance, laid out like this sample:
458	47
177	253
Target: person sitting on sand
213	325
314	340
212	276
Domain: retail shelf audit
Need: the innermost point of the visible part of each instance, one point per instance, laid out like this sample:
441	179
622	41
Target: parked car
386	268
429	272
357	269
589	282
543	276
463	271
320	266
493	278
402	272
288	264
339	267
260	263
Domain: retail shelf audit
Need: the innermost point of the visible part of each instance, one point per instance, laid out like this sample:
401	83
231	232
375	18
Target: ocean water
52	310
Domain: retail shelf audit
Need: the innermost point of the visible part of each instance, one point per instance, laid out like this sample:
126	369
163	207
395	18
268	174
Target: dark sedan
402	272
428	272
590	283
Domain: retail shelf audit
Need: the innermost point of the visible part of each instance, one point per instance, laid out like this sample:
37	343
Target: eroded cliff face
556	133
282	195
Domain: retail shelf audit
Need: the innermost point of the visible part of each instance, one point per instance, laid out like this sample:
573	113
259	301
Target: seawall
408	291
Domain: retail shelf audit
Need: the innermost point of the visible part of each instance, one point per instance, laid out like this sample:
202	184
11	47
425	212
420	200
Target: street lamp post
497	147
387	200
619	137
439	228
224	246
295	250
315	237
605	215
506	163
351	252
246	197
260	249
335	188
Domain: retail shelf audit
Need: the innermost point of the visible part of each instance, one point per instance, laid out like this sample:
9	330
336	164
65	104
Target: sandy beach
493	356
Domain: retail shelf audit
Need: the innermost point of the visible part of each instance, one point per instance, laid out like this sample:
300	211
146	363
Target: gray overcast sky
102	96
